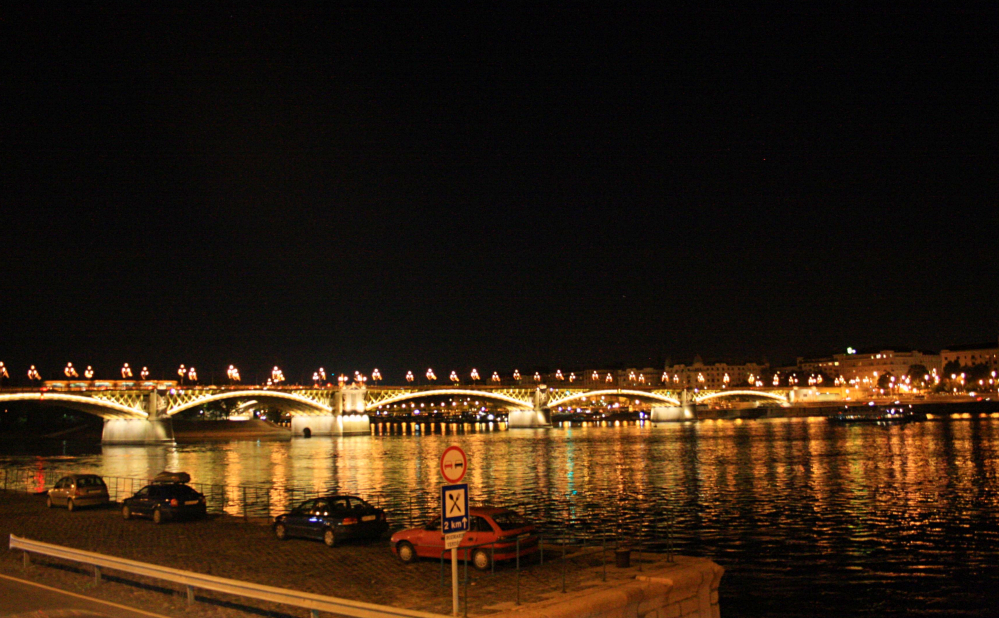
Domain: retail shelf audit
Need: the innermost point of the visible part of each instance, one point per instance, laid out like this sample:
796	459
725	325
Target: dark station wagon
332	519
168	497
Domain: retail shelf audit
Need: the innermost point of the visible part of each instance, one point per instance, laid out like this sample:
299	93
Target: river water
809	518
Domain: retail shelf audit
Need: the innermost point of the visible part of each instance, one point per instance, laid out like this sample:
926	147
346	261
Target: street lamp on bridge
143	374
70	371
3	372
33	374
192	375
182	372
495	377
431	375
126	371
376	376
410	377
232	373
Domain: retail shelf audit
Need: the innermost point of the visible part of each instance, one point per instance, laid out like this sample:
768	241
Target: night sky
520	189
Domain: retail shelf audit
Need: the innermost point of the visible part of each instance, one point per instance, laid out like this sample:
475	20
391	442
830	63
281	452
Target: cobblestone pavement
229	547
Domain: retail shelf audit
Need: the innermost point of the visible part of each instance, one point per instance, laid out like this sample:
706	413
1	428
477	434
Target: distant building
974	354
871	364
712	376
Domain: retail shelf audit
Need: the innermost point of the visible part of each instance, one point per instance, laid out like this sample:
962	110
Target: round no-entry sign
453	464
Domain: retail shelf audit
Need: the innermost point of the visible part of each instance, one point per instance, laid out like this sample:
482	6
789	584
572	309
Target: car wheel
48	502
281	532
157	516
329	537
406	551
481	559
126	513
70	506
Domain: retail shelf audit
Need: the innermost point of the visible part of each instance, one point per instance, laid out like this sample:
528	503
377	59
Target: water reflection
789	506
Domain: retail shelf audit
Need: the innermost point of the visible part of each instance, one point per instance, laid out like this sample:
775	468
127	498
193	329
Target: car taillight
173	502
349	520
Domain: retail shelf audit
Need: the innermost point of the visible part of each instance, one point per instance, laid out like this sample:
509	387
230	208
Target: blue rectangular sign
454	508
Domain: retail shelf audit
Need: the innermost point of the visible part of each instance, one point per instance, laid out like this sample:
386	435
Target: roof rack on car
172	477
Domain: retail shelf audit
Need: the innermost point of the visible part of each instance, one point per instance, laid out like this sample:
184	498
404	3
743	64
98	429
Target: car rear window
89	481
509	520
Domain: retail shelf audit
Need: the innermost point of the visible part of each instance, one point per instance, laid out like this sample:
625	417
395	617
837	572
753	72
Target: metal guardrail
192	581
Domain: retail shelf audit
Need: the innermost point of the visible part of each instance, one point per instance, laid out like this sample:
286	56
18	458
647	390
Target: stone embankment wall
686	588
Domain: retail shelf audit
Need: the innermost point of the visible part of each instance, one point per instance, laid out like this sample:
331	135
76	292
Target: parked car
493	530
165	499
78	490
332	519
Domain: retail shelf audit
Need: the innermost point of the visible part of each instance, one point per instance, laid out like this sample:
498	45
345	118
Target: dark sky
516	189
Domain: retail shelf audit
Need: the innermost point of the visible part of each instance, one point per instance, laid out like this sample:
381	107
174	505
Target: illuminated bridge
141	412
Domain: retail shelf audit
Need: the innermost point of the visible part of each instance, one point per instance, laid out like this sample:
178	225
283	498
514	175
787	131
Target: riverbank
225	546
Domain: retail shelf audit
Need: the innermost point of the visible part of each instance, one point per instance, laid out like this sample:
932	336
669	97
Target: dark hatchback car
332	519
163	501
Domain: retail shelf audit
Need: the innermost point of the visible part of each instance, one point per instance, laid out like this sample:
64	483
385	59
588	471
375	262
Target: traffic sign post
454	510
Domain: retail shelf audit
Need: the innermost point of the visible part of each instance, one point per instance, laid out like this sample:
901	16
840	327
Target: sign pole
454	581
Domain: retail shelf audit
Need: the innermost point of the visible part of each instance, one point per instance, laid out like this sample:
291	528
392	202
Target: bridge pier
156	428
540	416
348	417
686	411
137	431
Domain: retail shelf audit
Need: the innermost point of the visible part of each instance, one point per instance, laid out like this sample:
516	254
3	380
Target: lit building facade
872	365
712	376
976	354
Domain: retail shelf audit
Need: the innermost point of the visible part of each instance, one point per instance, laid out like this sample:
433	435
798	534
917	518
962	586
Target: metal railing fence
192	581
588	517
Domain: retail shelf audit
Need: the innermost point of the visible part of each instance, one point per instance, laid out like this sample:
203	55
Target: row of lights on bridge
319	376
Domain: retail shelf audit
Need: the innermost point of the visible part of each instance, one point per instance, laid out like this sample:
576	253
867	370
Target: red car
493	530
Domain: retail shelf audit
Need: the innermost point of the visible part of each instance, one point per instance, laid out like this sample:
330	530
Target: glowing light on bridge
431	375
69	371
572	377
33	374
610	378
322	374
277	376
558	375
192	374
495	377
126	371
516	375
182	372
453	377
537	376
595	376
475	374
3	372
409	376
376	375
776	379
88	372
233	373
726	380
143	374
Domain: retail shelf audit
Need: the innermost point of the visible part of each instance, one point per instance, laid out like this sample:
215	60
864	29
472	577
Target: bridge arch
764	394
90	405
503	398
278	398
616	392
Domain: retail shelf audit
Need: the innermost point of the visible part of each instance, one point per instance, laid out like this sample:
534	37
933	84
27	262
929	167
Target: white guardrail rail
192	581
